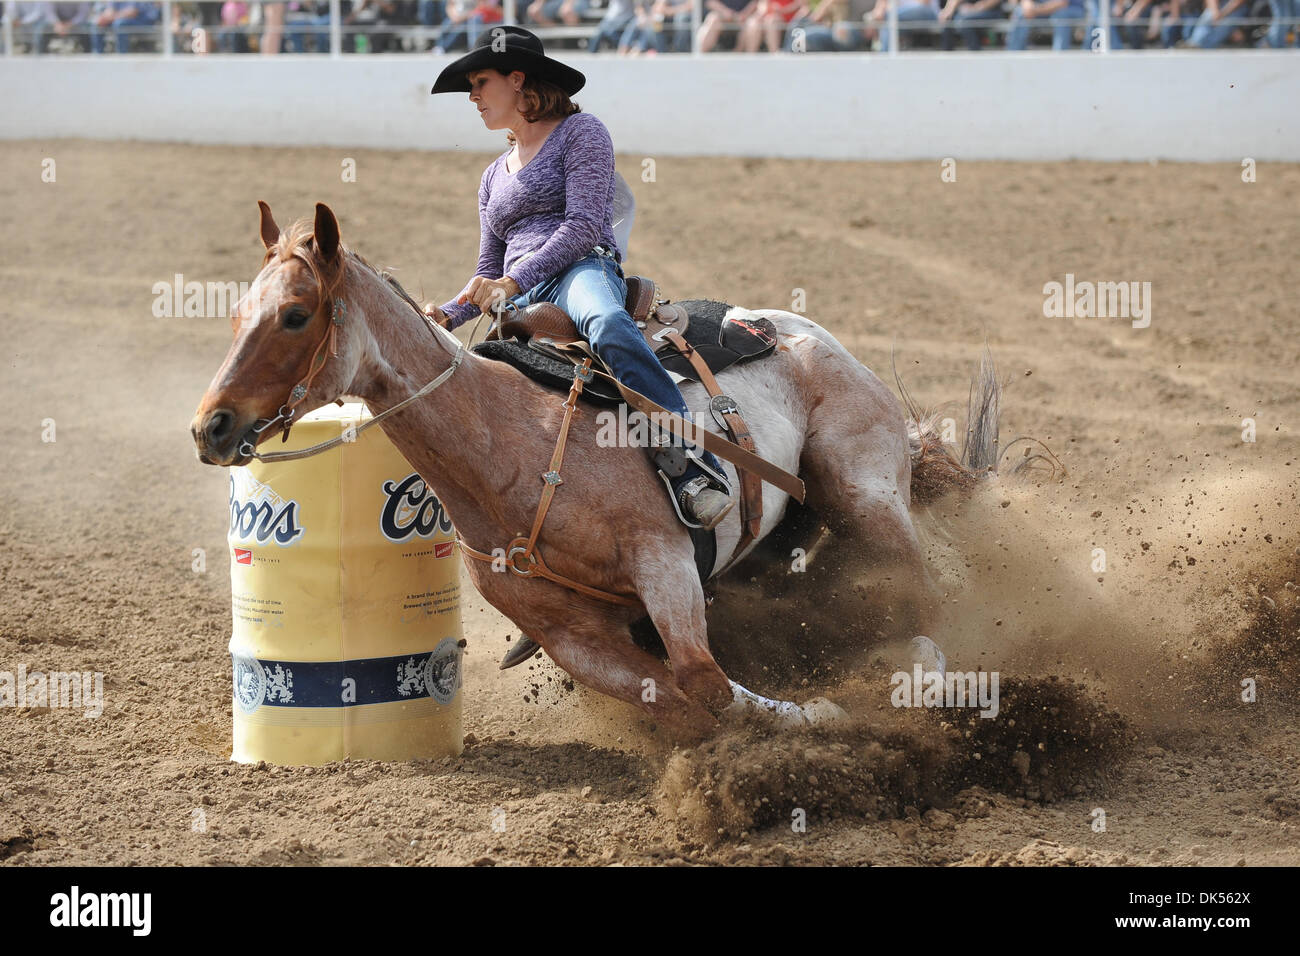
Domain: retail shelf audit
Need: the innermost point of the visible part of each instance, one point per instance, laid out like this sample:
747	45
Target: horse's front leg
670	589
602	656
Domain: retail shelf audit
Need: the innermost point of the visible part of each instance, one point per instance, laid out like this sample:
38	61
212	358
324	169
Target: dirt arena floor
1121	689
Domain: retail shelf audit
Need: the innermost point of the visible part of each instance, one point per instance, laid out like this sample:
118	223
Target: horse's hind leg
896	572
604	658
858	481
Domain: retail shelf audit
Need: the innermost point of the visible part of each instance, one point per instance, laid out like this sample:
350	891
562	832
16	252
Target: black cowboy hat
508	47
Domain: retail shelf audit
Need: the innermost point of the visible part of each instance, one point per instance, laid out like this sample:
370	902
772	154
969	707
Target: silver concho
250	683
442	671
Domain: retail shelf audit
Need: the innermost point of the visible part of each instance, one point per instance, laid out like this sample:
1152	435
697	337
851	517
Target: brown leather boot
704	504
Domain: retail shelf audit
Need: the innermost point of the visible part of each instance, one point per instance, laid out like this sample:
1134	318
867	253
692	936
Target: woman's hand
486	293
433	311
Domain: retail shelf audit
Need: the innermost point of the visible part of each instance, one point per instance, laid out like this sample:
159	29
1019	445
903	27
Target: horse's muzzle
218	439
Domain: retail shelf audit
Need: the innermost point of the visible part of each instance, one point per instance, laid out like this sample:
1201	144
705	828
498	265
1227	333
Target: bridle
285	416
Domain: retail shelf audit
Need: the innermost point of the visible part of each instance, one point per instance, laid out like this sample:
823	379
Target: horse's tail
935	469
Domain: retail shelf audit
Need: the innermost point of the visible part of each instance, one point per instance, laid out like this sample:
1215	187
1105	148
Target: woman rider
545	213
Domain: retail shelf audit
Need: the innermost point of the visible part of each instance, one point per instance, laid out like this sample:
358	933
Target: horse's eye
296	318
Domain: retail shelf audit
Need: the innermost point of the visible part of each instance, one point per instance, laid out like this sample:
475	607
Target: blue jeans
551	9
818	38
593	292
1092	31
121	32
635	36
1173	30
301	25
430	12
916	12
1283	10
466	32
965	17
1062	30
609	31
674	37
1209	35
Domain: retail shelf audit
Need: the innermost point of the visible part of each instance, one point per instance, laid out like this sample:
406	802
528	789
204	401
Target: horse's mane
296	242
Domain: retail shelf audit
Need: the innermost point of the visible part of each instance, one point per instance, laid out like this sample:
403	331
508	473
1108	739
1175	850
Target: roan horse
482	439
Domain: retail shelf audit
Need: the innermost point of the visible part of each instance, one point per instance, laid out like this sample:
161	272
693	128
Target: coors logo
411	508
260	515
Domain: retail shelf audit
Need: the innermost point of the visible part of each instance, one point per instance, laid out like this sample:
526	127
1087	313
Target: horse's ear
326	232
270	231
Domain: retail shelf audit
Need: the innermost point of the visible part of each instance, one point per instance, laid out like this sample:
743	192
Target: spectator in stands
191	21
1216	23
273	28
1283	10
485	13
659	26
67	20
1139	19
465	18
231	38
674	34
455	26
723	13
909	12
1061	14
367	18
831	26
544	12
30	21
964	15
1179	22
618	14
1092	28
768	24
306	19
122	19
430	13
1125	24
639	34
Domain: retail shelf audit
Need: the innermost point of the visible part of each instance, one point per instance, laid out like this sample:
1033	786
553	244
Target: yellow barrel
345	587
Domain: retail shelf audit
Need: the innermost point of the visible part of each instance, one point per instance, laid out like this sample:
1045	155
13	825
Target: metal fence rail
172	34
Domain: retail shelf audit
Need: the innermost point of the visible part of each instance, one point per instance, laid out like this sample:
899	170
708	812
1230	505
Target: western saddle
663	324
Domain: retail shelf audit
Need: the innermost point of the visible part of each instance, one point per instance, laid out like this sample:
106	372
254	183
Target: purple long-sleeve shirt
537	222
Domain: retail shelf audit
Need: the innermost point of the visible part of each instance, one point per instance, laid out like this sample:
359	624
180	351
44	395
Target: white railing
169	35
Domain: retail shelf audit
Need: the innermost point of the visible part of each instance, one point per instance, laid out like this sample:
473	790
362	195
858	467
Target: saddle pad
546	370
721	342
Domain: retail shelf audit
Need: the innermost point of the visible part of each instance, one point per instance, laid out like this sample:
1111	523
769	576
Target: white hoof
926	653
783	713
819	712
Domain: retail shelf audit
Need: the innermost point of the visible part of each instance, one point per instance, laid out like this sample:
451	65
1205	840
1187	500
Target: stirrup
697	486
712	480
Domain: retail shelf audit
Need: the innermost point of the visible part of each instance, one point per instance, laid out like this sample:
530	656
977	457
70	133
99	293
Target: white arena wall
1175	105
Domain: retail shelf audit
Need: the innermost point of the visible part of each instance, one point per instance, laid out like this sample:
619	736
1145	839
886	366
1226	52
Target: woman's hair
542	100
